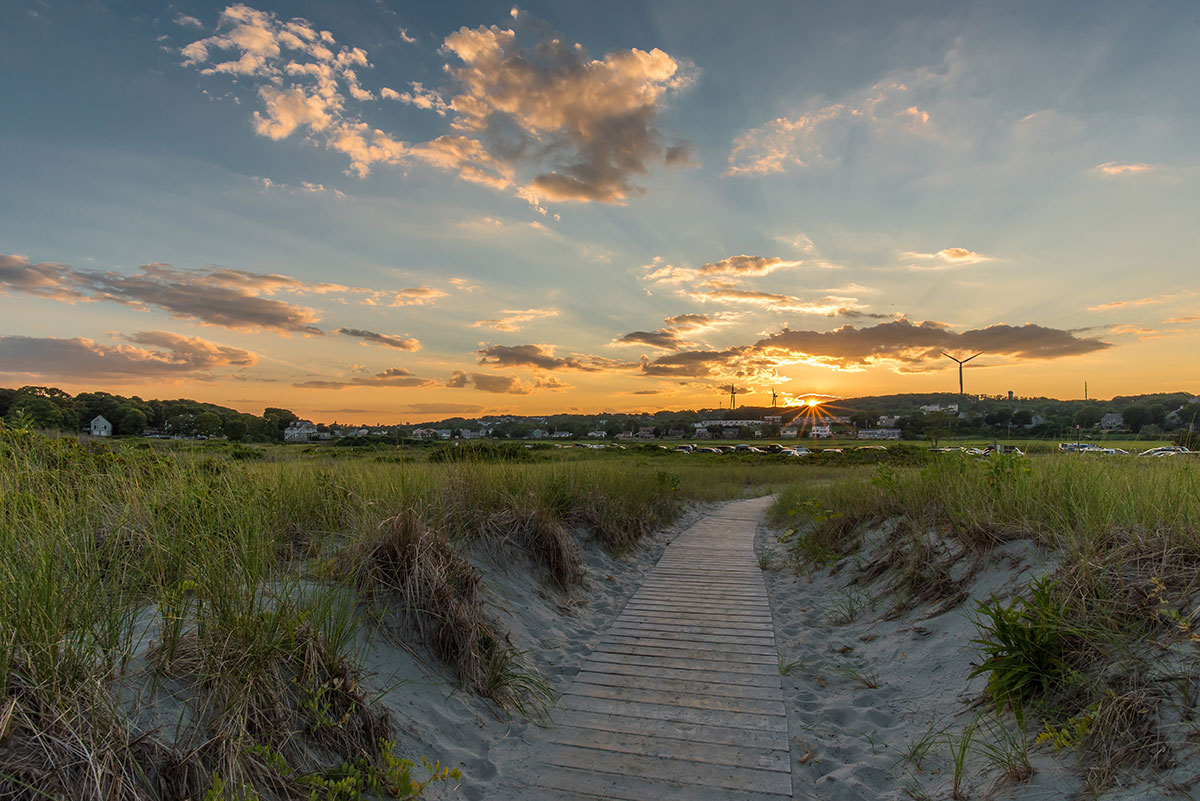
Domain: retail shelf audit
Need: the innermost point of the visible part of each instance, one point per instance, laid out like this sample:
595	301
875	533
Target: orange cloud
1148	301
946	259
1122	168
392	377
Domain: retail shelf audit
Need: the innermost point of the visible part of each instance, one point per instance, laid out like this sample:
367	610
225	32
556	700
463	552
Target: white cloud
515	319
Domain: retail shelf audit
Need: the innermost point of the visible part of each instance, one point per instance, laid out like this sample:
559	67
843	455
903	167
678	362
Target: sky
388	211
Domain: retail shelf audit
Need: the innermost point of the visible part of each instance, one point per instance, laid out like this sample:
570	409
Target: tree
208	423
1158	414
1135	416
998	417
235	429
1021	417
277	420
41	413
132	422
1087	416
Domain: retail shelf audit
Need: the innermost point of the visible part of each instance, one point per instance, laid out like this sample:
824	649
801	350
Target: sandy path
681	697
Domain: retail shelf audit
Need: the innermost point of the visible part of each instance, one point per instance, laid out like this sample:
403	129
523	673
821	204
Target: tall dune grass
234	588
1104	648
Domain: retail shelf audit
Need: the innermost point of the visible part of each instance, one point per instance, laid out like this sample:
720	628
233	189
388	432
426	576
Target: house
645	432
701	433
949	408
299	431
730	432
791	432
821	431
424	433
468	434
887	421
597	434
879	433
100	427
1110	422
562	435
773	419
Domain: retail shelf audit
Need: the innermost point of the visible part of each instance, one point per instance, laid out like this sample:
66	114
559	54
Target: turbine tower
732	394
961	362
774	397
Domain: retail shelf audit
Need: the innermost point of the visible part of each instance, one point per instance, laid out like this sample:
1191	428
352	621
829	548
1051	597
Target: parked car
1166	450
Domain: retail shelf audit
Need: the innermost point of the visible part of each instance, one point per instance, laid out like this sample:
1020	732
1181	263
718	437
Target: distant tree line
50	408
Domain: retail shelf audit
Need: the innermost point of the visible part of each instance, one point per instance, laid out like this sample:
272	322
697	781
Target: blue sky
412	209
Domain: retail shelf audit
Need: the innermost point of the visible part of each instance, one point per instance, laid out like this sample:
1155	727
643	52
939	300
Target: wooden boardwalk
680	700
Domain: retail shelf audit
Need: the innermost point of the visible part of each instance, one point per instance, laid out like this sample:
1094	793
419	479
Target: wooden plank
673	771
643	709
714	676
688	642
745	668
757	706
676	685
628	788
713	622
683	628
692	636
675	729
690	653
742	756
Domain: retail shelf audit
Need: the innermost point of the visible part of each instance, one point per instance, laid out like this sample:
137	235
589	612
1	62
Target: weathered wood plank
667	769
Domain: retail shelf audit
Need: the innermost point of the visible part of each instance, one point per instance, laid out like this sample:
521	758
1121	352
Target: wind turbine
732	394
774	397
961	362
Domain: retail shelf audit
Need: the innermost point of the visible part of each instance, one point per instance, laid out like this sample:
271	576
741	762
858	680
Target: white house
879	433
821	431
791	432
949	408
424	433
299	431
597	434
1111	421
100	427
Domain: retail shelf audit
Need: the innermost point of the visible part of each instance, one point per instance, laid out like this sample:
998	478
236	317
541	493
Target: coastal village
896	417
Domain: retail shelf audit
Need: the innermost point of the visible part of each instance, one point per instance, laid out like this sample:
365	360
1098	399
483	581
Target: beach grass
1091	647
238	586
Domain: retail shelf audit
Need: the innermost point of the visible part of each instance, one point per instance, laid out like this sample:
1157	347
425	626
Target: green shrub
1023	644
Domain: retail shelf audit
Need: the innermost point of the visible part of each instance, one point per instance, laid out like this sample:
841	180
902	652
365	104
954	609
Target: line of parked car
773	447
1087	447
